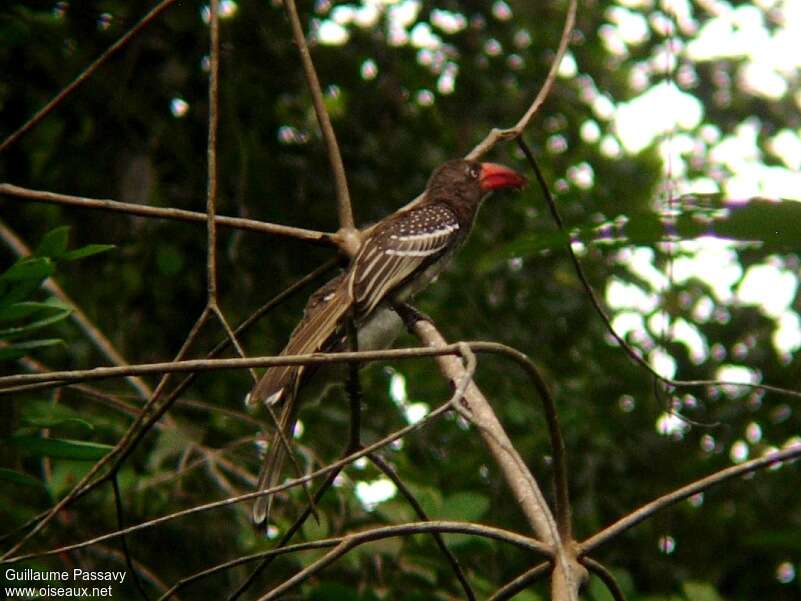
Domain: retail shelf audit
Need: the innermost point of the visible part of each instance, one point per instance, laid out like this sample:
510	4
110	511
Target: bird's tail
323	313
272	468
325	309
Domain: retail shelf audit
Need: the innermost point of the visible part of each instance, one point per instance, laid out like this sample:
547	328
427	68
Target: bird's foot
410	315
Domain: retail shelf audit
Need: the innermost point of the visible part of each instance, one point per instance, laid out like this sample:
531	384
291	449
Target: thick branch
252	225
568	574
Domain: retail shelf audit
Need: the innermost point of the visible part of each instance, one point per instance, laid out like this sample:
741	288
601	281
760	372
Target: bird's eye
473	172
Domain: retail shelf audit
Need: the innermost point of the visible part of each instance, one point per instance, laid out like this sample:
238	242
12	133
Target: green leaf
86	251
36	325
61	448
31	268
54	420
20	291
8	475
54	243
20	310
20	349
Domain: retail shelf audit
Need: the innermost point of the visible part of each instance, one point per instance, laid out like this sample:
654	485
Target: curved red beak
494	176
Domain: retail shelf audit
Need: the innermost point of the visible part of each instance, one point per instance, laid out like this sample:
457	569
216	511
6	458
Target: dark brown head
468	182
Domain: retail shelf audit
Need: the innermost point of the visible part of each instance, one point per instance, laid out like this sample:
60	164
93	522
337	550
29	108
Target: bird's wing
402	246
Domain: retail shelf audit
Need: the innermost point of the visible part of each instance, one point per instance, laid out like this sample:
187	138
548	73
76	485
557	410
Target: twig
379	462
445	407
86	73
647	510
496	135
510	589
211	154
119	453
353	540
607	577
252	225
369	536
115	486
344	210
598	306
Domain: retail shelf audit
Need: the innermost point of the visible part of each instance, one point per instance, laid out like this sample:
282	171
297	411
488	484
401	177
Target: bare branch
315	237
121	450
418	509
607	577
599	309
211	154
86	73
569	574
517	475
344	210
496	135
646	511
445	407
347	543
510	589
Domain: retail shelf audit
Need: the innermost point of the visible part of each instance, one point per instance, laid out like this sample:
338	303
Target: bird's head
471	180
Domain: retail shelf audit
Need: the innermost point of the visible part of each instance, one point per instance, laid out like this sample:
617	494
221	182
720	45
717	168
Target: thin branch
646	511
431	416
496	135
387	469
607	577
95	336
115	486
232	337
510	589
119	453
598	306
344	210
101	373
254	317
350	541
368	536
86	73
315	237
287	536
211	154
105	553
85	485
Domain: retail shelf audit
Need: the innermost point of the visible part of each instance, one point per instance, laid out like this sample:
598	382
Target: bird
398	257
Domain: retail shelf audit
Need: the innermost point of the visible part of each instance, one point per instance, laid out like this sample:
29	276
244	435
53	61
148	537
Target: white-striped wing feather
404	245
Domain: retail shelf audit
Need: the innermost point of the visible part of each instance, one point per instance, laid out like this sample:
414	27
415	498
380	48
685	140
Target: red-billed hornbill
398	258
